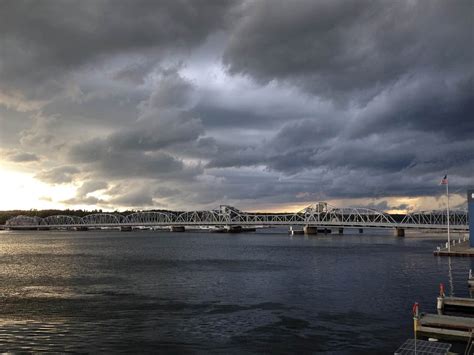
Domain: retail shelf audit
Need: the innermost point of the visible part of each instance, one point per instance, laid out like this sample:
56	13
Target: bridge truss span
149	218
63	220
104	219
201	217
320	214
21	220
456	218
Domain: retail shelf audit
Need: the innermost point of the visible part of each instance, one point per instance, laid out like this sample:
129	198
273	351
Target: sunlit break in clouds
264	105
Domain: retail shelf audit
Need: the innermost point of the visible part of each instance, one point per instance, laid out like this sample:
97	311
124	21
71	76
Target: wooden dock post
416	318
440	299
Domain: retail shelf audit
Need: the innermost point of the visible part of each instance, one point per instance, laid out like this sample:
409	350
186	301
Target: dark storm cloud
171	92
59	175
91	186
167	191
135	195
82	194
140	197
104	161
350	50
84	200
309	144
23	157
134	73
224	117
99	107
197	103
384	164
140	149
155	134
41	41
440	104
403	72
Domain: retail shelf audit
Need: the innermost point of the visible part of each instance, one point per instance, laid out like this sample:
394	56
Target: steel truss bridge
317	215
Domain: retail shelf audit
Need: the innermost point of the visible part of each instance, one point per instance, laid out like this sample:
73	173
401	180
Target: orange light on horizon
22	191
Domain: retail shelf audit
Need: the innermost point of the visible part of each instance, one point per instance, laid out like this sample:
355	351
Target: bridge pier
234	229
292	231
341	230
310	230
399	232
177	229
361	230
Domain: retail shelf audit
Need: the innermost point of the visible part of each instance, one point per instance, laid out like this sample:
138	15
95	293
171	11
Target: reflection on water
185	292
450	277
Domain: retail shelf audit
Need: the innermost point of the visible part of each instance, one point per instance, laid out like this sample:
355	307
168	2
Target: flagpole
447	213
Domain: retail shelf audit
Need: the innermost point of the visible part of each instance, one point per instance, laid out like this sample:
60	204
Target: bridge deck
251	224
319	215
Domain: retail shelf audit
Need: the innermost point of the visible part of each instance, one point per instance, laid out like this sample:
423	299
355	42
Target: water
228	293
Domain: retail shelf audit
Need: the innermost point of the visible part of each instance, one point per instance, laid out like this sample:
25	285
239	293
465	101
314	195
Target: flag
444	181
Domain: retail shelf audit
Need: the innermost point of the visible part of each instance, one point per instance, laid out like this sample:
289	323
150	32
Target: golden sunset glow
23	191
27	192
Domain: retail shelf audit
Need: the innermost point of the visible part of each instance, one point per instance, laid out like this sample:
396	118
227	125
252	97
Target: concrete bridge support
234	229
292	231
399	232
177	229
310	230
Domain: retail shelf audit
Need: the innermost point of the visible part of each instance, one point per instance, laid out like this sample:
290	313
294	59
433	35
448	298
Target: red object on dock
415	309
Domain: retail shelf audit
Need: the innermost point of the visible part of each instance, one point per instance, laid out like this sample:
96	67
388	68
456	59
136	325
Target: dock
470	280
446	327
458	248
458	326
456	303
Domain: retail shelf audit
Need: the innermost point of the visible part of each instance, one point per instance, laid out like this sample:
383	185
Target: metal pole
415	321
447	209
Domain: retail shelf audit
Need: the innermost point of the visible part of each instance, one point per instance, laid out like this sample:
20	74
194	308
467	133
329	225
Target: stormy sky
264	105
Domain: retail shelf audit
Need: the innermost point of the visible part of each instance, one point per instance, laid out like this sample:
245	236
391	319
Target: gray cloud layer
351	50
196	103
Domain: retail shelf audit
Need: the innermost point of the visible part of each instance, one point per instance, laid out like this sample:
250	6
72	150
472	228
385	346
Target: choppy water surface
232	293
